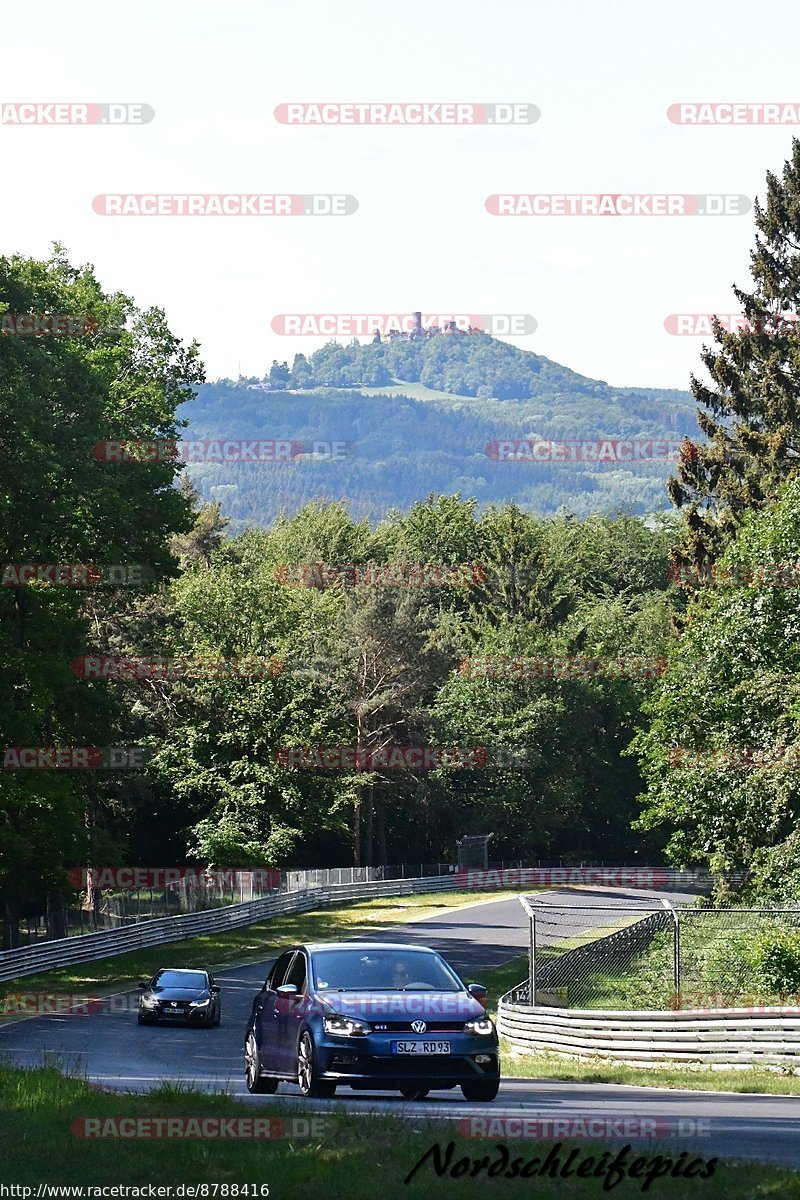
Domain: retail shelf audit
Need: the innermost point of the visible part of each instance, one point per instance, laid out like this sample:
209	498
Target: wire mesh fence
110	909
733	958
104	909
642	955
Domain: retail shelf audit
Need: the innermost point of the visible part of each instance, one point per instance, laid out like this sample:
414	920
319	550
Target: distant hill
418	417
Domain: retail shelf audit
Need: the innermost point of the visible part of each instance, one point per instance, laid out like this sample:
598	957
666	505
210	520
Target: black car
371	1016
180	995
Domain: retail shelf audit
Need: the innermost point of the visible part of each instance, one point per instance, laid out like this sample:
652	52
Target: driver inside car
400	975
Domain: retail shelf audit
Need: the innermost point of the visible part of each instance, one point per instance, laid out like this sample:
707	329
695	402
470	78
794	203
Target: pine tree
751	412
207	532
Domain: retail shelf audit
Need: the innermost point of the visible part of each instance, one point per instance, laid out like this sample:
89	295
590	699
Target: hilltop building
418	332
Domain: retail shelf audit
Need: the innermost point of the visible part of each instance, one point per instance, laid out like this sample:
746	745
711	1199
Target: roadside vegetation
519	1064
358	1157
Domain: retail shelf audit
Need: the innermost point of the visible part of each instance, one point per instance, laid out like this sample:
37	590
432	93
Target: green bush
776	960
721	963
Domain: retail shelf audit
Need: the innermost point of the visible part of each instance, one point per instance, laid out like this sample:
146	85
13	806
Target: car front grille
405	1026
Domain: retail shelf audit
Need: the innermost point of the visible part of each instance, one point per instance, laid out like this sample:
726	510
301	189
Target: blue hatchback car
372	1016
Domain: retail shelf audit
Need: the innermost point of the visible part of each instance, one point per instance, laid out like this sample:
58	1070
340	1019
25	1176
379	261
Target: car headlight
345	1026
481	1025
199	1003
147	1001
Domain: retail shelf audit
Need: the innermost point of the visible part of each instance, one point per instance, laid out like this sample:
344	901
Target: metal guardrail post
531	950
676	951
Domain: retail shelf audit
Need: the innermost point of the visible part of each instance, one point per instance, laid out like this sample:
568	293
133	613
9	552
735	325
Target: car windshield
179	979
383	971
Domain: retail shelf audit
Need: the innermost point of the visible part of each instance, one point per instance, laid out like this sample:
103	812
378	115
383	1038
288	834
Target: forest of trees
401	448
696	762
465	364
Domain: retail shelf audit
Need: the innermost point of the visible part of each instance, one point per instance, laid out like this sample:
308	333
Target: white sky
603	76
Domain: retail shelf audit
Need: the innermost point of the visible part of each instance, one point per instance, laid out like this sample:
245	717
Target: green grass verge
262	940
358	1157
597	1070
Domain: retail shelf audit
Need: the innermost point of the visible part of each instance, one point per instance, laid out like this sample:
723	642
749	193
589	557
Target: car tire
310	1086
414	1093
141	1019
482	1090
218	1017
257	1085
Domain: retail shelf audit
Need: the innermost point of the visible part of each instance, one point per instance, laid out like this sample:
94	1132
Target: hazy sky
603	76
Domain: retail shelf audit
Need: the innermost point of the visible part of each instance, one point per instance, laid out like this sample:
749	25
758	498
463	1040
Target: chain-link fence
110	909
641	955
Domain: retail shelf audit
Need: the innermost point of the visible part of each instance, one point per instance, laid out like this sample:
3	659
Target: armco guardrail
63	952
665	878
722	1037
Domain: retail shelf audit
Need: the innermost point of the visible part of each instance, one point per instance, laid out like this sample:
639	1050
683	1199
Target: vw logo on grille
418	1026
173	1004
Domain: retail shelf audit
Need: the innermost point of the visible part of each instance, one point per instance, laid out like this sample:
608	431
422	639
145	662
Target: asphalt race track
110	1048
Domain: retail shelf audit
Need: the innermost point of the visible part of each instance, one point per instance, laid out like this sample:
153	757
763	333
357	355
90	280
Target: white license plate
420	1047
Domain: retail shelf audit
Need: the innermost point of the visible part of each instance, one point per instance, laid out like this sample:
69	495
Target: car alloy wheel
309	1085
256	1083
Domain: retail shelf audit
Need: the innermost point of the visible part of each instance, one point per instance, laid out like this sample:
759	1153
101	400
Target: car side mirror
215	987
479	992
287	989
142	987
